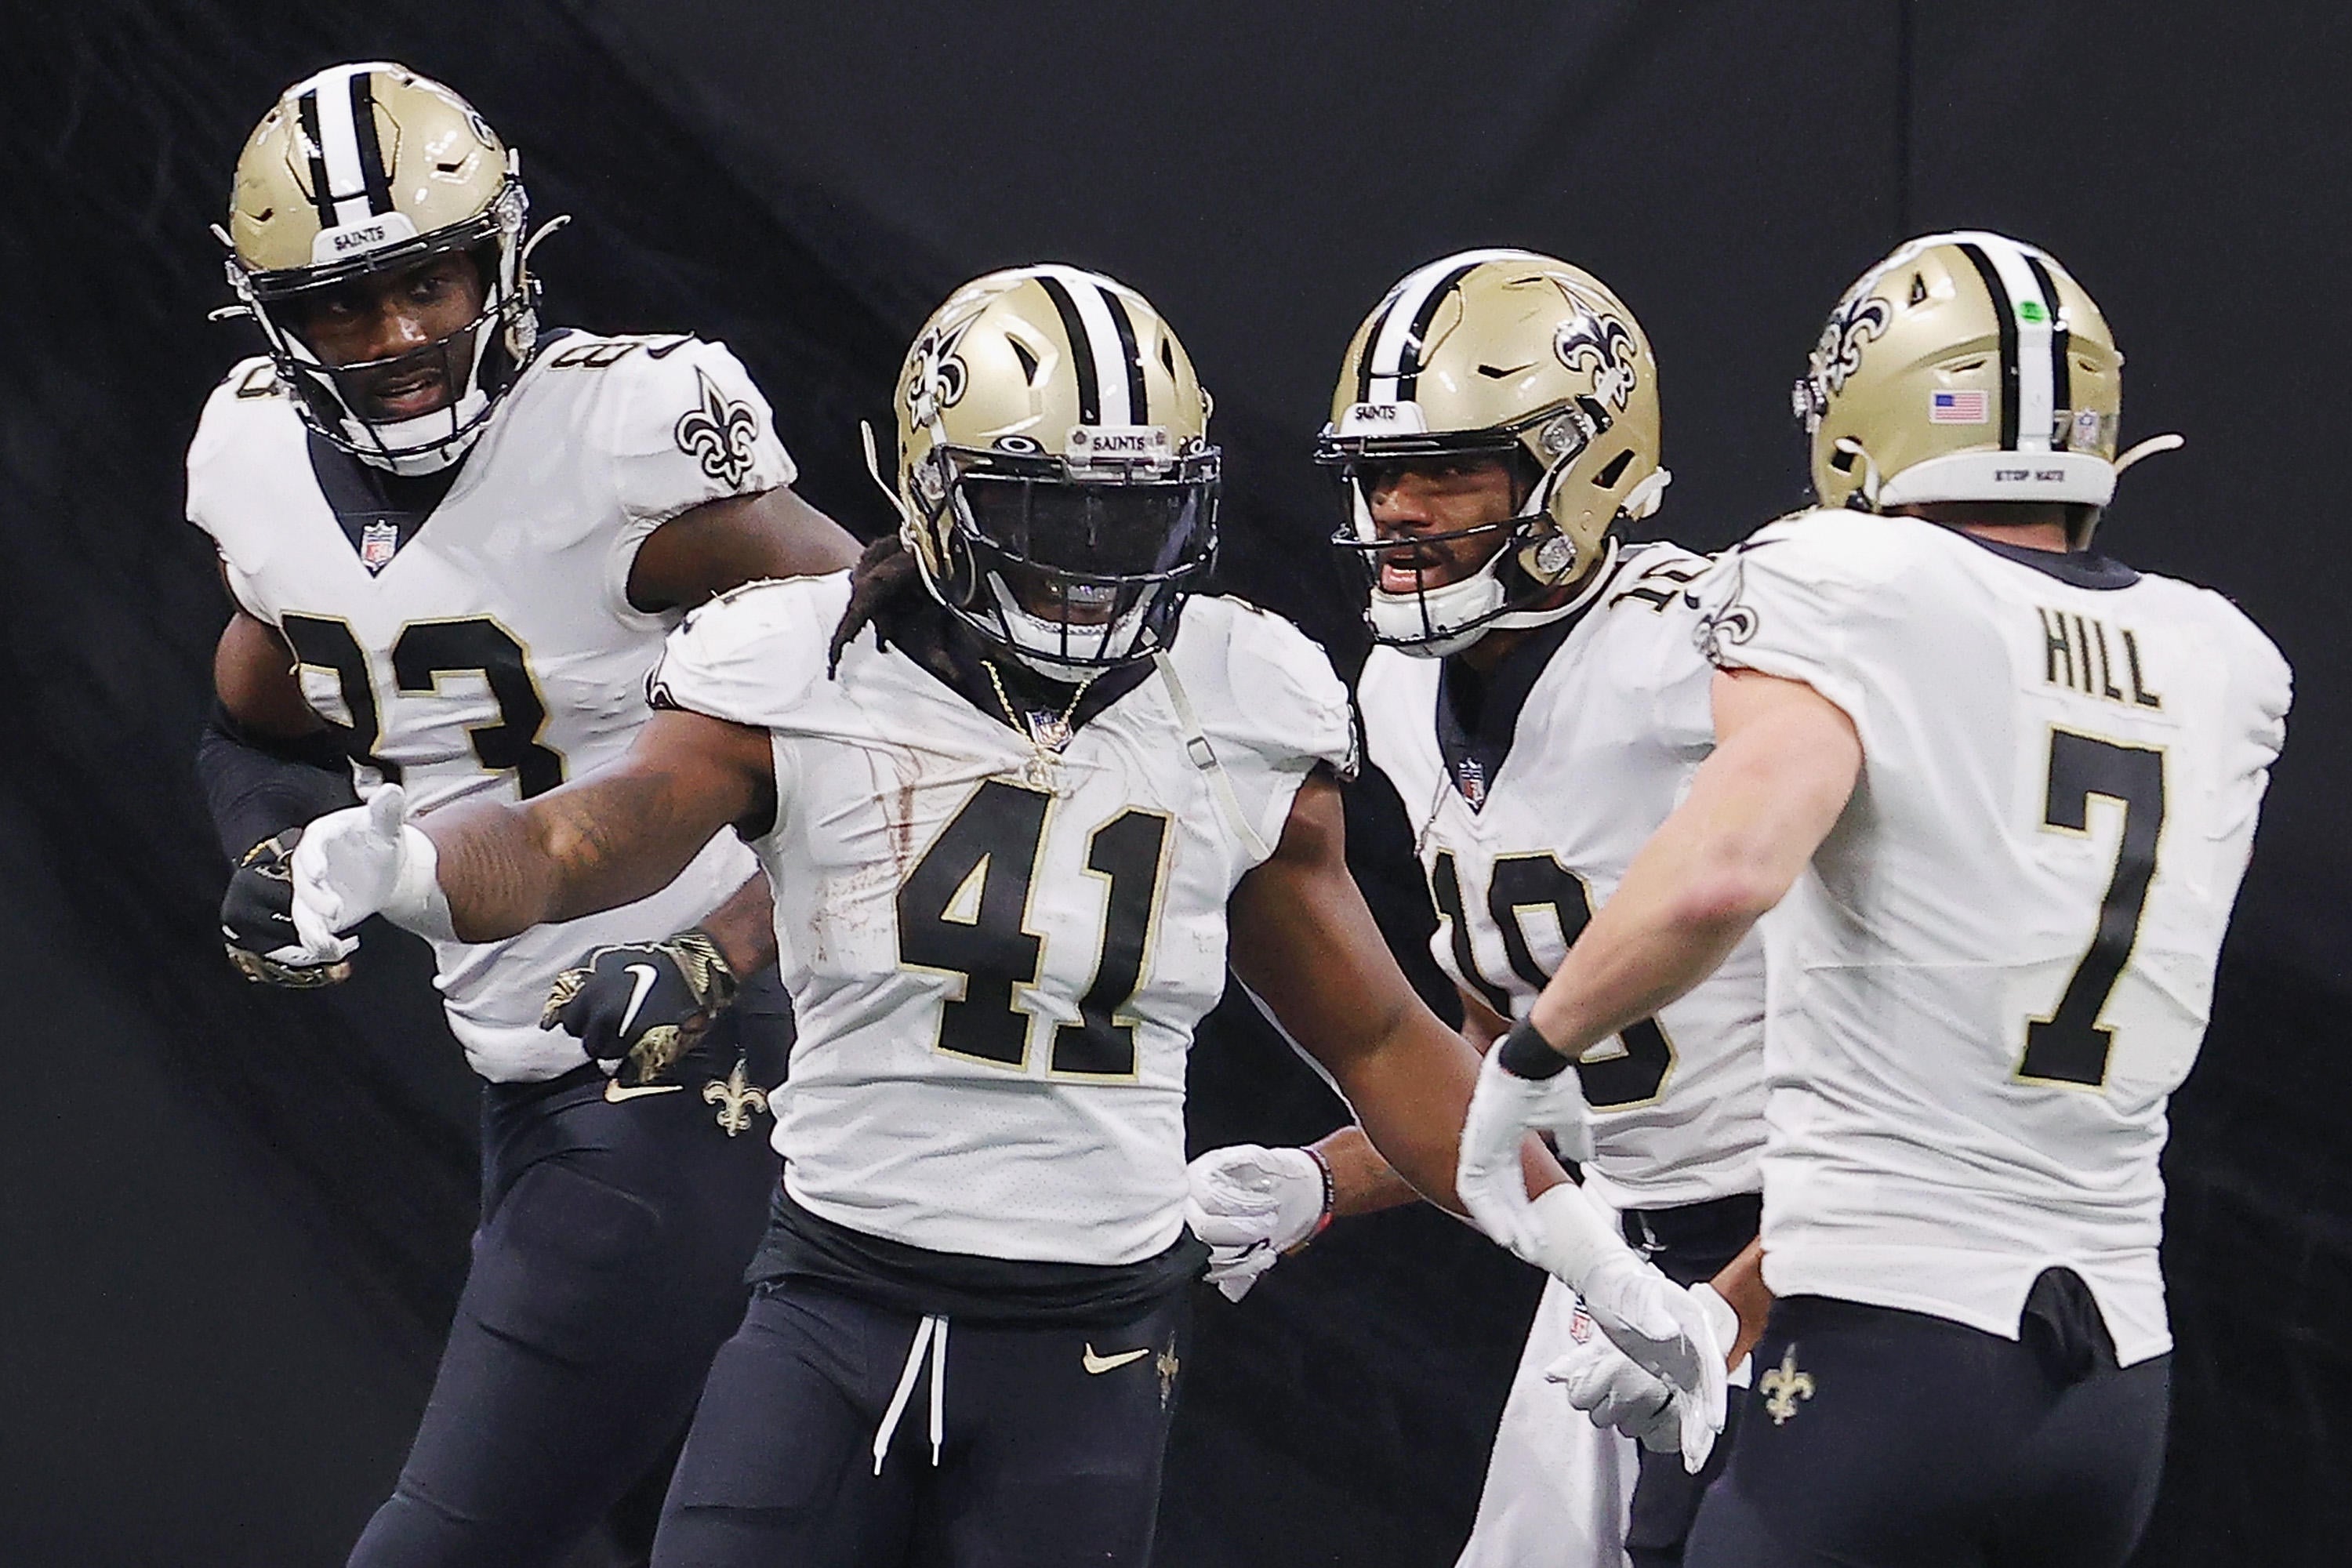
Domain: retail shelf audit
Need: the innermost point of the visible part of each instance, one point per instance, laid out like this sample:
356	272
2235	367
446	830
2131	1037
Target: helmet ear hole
1614	470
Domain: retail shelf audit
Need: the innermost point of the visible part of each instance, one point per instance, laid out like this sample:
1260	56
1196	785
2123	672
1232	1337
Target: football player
1013	805
2003	789
456	541
1537	698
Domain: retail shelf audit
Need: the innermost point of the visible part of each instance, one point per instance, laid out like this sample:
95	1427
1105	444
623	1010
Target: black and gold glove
640	1007
257	921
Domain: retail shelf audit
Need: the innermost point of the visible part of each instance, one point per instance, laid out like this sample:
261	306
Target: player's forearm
744	927
1661	935
1757	810
256	786
506	868
1361	1182
1412	1093
496	872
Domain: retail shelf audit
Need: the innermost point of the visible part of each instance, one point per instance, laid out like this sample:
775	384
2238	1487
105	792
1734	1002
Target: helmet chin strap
1038	642
1595	580
380	444
1435	622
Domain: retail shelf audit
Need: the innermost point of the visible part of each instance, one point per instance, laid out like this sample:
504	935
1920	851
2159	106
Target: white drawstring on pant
930	1333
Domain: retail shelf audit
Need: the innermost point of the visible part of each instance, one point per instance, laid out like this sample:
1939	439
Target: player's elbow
1728	890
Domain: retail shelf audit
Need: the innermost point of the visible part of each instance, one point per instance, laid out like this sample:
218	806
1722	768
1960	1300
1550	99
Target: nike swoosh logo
1102	1363
614	1093
670	347
647	974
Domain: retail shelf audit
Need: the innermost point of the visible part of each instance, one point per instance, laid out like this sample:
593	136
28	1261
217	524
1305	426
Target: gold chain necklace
1042	771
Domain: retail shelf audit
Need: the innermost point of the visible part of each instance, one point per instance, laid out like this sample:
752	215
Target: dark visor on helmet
1097	530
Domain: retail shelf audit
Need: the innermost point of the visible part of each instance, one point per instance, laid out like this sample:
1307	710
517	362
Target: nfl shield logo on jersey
1470	778
379	541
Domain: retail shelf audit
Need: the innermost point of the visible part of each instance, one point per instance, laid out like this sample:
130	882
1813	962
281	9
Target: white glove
1612	1391
1487	1173
366	860
1681	1335
1252	1204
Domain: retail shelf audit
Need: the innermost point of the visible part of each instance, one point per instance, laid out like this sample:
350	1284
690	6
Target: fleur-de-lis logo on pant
737	1099
1783	1385
719	432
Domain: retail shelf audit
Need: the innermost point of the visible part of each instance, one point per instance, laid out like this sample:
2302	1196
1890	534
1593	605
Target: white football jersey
1602	751
493	648
996	984
2001	961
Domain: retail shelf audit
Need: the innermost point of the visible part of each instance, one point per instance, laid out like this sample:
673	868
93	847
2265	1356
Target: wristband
1525	1053
1330	1201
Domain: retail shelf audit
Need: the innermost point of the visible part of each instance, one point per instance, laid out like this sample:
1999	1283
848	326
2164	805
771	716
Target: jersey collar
939	646
2080	569
1478	710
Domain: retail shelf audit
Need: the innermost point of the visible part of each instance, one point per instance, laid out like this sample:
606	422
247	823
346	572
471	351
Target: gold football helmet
1054	477
1508	353
1966	367
363	167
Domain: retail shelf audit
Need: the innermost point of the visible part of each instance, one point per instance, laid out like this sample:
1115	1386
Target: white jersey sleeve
687	426
1264	689
1796	603
211	470
749	655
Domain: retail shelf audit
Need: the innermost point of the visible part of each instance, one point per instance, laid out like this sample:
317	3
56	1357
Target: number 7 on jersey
2070	1046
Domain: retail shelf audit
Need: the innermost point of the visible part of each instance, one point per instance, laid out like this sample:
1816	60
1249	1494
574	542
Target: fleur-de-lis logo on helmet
1598	341
719	432
1859	318
936	378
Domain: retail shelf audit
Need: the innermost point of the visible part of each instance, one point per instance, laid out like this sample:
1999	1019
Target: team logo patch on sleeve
1728	621
719	432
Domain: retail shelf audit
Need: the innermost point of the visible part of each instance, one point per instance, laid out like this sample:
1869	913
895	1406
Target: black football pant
1689	1244
1050	1441
607	1269
1880	1438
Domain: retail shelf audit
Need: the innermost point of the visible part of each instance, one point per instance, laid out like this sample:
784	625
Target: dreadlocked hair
886	576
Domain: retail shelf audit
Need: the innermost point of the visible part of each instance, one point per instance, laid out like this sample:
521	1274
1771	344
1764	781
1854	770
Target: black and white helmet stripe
336	108
1103	347
2035	378
1391	366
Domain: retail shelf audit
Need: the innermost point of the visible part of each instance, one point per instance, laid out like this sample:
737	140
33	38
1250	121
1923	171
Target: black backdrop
234	1223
